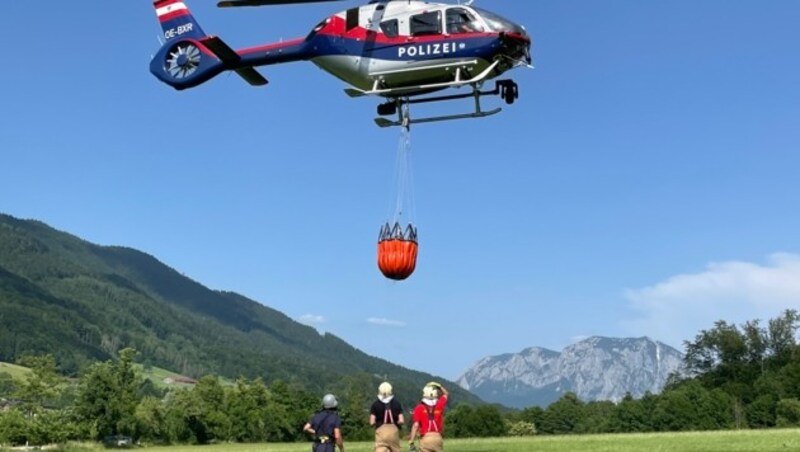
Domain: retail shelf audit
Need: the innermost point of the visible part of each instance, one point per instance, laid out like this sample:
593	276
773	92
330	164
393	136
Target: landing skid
507	89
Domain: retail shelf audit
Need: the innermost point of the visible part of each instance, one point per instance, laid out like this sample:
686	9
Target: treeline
735	377
111	399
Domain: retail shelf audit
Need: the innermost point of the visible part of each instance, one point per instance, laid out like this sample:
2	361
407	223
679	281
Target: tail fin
176	20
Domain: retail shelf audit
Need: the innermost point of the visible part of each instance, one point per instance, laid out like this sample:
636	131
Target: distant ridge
597	368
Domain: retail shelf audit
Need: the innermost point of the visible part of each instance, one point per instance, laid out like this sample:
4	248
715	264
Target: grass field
733	441
16	372
157	375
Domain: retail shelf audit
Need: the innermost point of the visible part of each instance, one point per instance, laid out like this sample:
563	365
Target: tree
41	385
781	337
288	409
630	416
151	421
107	399
597	417
762	412
246	403
563	415
484	421
13	428
199	414
533	415
788	413
693	407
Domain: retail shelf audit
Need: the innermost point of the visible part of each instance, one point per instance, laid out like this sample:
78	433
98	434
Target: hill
82	302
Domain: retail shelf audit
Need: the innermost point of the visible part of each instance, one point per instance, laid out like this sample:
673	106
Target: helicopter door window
390	28
426	24
459	20
352	18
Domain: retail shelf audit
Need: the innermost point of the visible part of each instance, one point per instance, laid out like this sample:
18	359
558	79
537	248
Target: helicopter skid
507	89
383	122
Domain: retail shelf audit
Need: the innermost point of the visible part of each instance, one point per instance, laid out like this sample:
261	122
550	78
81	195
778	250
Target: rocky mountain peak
596	368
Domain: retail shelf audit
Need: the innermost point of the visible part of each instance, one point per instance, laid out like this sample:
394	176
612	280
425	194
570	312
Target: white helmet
385	393
430	392
329	402
385	389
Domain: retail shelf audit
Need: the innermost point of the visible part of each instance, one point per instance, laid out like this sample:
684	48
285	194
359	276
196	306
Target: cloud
310	319
678	308
382	321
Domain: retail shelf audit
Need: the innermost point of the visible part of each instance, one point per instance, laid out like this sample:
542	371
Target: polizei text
433	48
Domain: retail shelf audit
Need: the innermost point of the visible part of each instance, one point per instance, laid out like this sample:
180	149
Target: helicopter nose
518	45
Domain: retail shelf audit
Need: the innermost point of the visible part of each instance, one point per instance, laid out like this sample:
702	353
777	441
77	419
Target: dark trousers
326	447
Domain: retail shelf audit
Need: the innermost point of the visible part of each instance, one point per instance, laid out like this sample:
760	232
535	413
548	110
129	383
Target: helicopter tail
190	57
176	20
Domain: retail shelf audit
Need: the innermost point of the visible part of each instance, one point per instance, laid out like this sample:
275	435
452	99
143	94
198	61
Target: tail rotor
183	60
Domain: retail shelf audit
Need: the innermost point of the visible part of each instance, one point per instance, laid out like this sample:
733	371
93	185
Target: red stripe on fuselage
268	47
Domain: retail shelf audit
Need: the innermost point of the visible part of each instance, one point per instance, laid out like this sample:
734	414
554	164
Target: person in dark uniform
386	415
326	427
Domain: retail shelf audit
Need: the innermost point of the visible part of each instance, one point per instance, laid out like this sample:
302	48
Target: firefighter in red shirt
428	419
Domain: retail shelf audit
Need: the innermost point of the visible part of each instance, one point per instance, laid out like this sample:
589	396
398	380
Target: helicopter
399	50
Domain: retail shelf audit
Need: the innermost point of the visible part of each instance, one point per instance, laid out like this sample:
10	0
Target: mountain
83	302
598	368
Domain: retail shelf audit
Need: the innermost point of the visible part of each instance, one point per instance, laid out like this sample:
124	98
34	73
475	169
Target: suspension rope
404	206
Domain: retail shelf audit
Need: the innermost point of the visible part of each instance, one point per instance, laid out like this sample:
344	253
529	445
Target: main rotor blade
237	3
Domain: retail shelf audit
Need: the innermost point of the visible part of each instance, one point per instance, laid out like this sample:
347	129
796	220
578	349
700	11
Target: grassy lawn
733	441
157	375
17	372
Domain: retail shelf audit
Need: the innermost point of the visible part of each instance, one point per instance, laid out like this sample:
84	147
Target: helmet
430	392
385	389
385	393
329	402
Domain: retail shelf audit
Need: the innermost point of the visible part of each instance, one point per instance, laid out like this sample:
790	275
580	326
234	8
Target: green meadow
724	441
17	372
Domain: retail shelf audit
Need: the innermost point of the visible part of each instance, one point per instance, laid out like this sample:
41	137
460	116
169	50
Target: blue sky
646	183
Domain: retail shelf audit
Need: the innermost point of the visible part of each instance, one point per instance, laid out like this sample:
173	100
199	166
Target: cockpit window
459	20
426	24
390	28
500	23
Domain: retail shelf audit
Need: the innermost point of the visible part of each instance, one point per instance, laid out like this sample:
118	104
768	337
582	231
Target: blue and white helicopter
401	50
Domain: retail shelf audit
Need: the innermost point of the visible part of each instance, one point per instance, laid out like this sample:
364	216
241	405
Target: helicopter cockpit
461	20
499	23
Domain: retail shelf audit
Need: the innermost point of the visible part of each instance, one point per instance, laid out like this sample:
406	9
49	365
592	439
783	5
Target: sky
645	183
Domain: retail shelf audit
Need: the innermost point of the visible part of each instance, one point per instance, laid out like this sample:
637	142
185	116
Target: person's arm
372	420
339	440
444	391
308	429
414	430
401	420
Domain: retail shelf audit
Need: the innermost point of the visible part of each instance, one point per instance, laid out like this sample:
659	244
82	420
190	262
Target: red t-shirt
430	417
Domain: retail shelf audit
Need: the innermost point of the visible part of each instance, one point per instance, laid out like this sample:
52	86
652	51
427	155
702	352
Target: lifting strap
388	417
432	426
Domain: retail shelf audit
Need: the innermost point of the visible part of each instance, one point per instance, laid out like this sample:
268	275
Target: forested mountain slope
83	302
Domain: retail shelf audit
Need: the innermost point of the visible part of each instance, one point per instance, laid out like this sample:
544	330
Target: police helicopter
400	50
